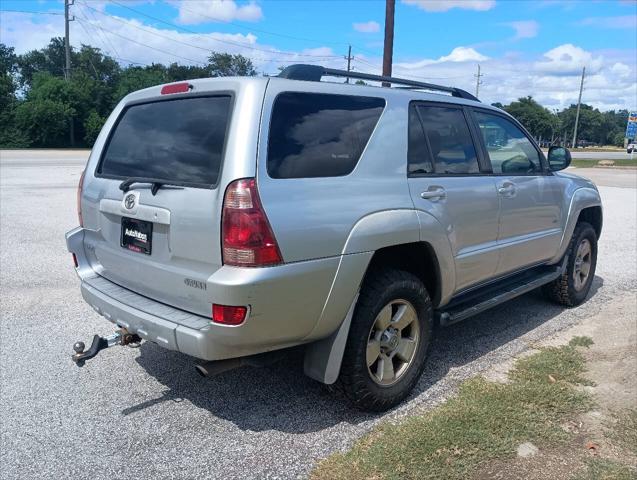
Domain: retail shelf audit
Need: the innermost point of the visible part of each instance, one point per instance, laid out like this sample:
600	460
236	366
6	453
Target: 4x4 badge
129	201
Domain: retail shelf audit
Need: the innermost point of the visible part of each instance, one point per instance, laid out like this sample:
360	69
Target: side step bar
477	301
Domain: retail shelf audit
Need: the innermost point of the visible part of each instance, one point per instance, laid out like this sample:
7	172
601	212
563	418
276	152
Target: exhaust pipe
215	367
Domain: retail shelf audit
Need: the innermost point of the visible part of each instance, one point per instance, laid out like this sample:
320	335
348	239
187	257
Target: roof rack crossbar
316	72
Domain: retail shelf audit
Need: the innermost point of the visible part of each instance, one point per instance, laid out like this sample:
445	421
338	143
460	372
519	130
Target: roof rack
314	73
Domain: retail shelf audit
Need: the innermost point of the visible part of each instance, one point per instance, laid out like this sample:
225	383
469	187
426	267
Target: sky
523	47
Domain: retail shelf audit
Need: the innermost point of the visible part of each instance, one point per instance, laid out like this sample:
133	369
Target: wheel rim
392	342
582	266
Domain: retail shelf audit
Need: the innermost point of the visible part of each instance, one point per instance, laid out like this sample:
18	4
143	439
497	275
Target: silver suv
230	217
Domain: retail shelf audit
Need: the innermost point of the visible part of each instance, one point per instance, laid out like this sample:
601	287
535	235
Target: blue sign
631	127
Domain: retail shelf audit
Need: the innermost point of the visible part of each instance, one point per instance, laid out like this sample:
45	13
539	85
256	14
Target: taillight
228	315
247	239
80	185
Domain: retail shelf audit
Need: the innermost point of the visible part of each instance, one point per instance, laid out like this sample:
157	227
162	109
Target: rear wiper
155	183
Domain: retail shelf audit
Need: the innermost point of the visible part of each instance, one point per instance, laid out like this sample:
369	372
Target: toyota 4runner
230	217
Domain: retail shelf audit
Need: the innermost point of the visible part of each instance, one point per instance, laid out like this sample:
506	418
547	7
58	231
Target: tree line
39	108
594	127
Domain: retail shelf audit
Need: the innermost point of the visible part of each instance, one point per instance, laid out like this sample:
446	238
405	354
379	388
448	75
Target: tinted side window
180	140
510	151
449	140
418	158
319	135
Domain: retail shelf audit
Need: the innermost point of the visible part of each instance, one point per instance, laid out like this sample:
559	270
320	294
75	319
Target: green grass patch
624	431
590	162
581	342
600	469
485	421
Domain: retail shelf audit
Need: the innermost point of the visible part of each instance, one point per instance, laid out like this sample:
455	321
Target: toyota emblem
129	201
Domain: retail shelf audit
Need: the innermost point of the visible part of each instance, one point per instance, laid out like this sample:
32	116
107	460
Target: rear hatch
160	238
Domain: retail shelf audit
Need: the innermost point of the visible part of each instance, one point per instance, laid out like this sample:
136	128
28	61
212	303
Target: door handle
506	189
433	193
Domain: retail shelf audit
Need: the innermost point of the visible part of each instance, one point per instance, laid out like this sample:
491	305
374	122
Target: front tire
388	340
571	288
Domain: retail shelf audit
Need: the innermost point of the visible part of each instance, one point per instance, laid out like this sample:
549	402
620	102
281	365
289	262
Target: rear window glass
177	140
319	135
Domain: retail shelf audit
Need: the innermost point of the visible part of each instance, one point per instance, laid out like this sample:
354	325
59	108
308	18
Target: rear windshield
319	135
178	140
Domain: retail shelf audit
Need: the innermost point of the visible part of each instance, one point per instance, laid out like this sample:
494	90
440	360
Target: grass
601	469
590	162
484	422
625	430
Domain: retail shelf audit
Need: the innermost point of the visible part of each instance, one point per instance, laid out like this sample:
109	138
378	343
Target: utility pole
579	102
478	81
349	61
67	60
67	44
388	50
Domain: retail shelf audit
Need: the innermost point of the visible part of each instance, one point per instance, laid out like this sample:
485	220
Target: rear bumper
285	304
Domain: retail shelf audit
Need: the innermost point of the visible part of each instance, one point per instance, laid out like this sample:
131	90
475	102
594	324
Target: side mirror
559	158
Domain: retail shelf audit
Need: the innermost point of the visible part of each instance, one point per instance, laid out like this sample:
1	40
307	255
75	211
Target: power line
176	40
103	35
251	28
243	45
36	13
81	20
149	46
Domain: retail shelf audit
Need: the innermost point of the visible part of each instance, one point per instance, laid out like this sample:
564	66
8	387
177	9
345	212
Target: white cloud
552	78
445	5
192	12
134	42
367	27
524	29
463	54
568	59
623	21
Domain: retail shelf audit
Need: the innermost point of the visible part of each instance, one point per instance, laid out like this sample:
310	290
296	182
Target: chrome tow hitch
120	337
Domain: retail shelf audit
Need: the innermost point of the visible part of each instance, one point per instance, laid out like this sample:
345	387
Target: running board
477	301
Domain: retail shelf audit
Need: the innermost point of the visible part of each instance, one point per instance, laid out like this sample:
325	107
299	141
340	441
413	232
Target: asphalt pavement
617	155
144	413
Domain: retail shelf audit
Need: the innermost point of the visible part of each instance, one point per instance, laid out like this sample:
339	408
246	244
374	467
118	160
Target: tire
567	290
388	297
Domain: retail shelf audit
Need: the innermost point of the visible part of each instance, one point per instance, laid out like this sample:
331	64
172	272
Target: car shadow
280	397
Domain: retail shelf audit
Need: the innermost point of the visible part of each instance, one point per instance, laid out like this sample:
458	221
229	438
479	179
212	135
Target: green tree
137	78
228	65
51	104
591	126
49	59
10	135
92	127
539	121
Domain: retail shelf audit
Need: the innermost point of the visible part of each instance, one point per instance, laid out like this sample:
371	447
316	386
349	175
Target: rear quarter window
319	135
179	140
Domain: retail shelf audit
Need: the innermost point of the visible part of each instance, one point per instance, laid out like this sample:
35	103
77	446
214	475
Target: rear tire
571	288
388	340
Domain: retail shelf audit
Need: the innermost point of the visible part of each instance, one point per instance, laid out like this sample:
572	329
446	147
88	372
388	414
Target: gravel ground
145	413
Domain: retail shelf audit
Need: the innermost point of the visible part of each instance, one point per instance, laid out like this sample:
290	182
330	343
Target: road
144	413
601	155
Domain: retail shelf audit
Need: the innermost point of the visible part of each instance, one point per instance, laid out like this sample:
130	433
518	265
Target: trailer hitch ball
120	337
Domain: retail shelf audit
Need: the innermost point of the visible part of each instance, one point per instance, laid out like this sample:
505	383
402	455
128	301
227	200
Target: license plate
137	235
